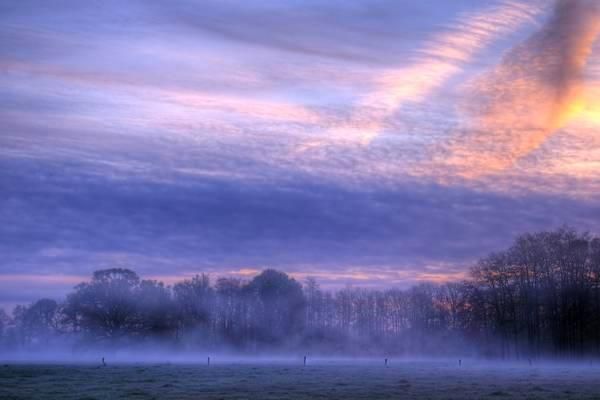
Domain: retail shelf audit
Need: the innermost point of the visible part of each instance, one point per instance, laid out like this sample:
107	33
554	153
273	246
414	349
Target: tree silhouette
539	297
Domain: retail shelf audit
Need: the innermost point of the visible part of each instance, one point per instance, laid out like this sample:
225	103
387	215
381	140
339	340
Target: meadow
348	379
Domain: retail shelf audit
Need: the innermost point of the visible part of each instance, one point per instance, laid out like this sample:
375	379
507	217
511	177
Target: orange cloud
441	58
536	89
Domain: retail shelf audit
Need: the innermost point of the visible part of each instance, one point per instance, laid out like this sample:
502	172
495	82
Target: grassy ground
341	380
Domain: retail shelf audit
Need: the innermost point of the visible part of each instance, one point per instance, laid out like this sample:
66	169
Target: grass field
290	380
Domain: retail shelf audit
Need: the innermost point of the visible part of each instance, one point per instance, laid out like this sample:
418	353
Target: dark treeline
540	297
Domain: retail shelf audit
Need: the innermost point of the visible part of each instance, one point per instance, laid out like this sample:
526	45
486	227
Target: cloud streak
536	90
441	58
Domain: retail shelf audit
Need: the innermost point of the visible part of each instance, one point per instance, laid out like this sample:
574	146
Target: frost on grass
347	379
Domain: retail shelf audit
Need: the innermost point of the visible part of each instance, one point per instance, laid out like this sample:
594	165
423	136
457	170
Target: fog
288	378
537	300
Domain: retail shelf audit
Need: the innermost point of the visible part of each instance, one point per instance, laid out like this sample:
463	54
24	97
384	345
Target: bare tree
106	307
540	296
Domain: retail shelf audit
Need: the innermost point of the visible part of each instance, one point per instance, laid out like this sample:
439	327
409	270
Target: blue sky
370	142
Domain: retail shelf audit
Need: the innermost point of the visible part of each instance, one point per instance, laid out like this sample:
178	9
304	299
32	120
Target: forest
538	298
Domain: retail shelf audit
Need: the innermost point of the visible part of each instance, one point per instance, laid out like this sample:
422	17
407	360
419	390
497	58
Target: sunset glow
379	143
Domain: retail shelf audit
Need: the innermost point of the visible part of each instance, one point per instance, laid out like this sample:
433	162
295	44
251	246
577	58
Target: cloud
63	217
165	137
374	32
536	89
440	58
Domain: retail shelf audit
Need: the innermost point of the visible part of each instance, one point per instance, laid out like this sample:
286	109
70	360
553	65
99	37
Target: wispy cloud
536	89
441	58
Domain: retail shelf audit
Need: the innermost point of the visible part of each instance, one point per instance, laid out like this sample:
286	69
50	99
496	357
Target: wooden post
305	361
459	362
386	362
208	361
103	363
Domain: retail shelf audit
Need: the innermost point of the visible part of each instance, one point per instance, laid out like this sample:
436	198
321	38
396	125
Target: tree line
540	297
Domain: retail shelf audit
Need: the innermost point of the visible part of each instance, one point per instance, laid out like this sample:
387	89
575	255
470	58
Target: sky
373	143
